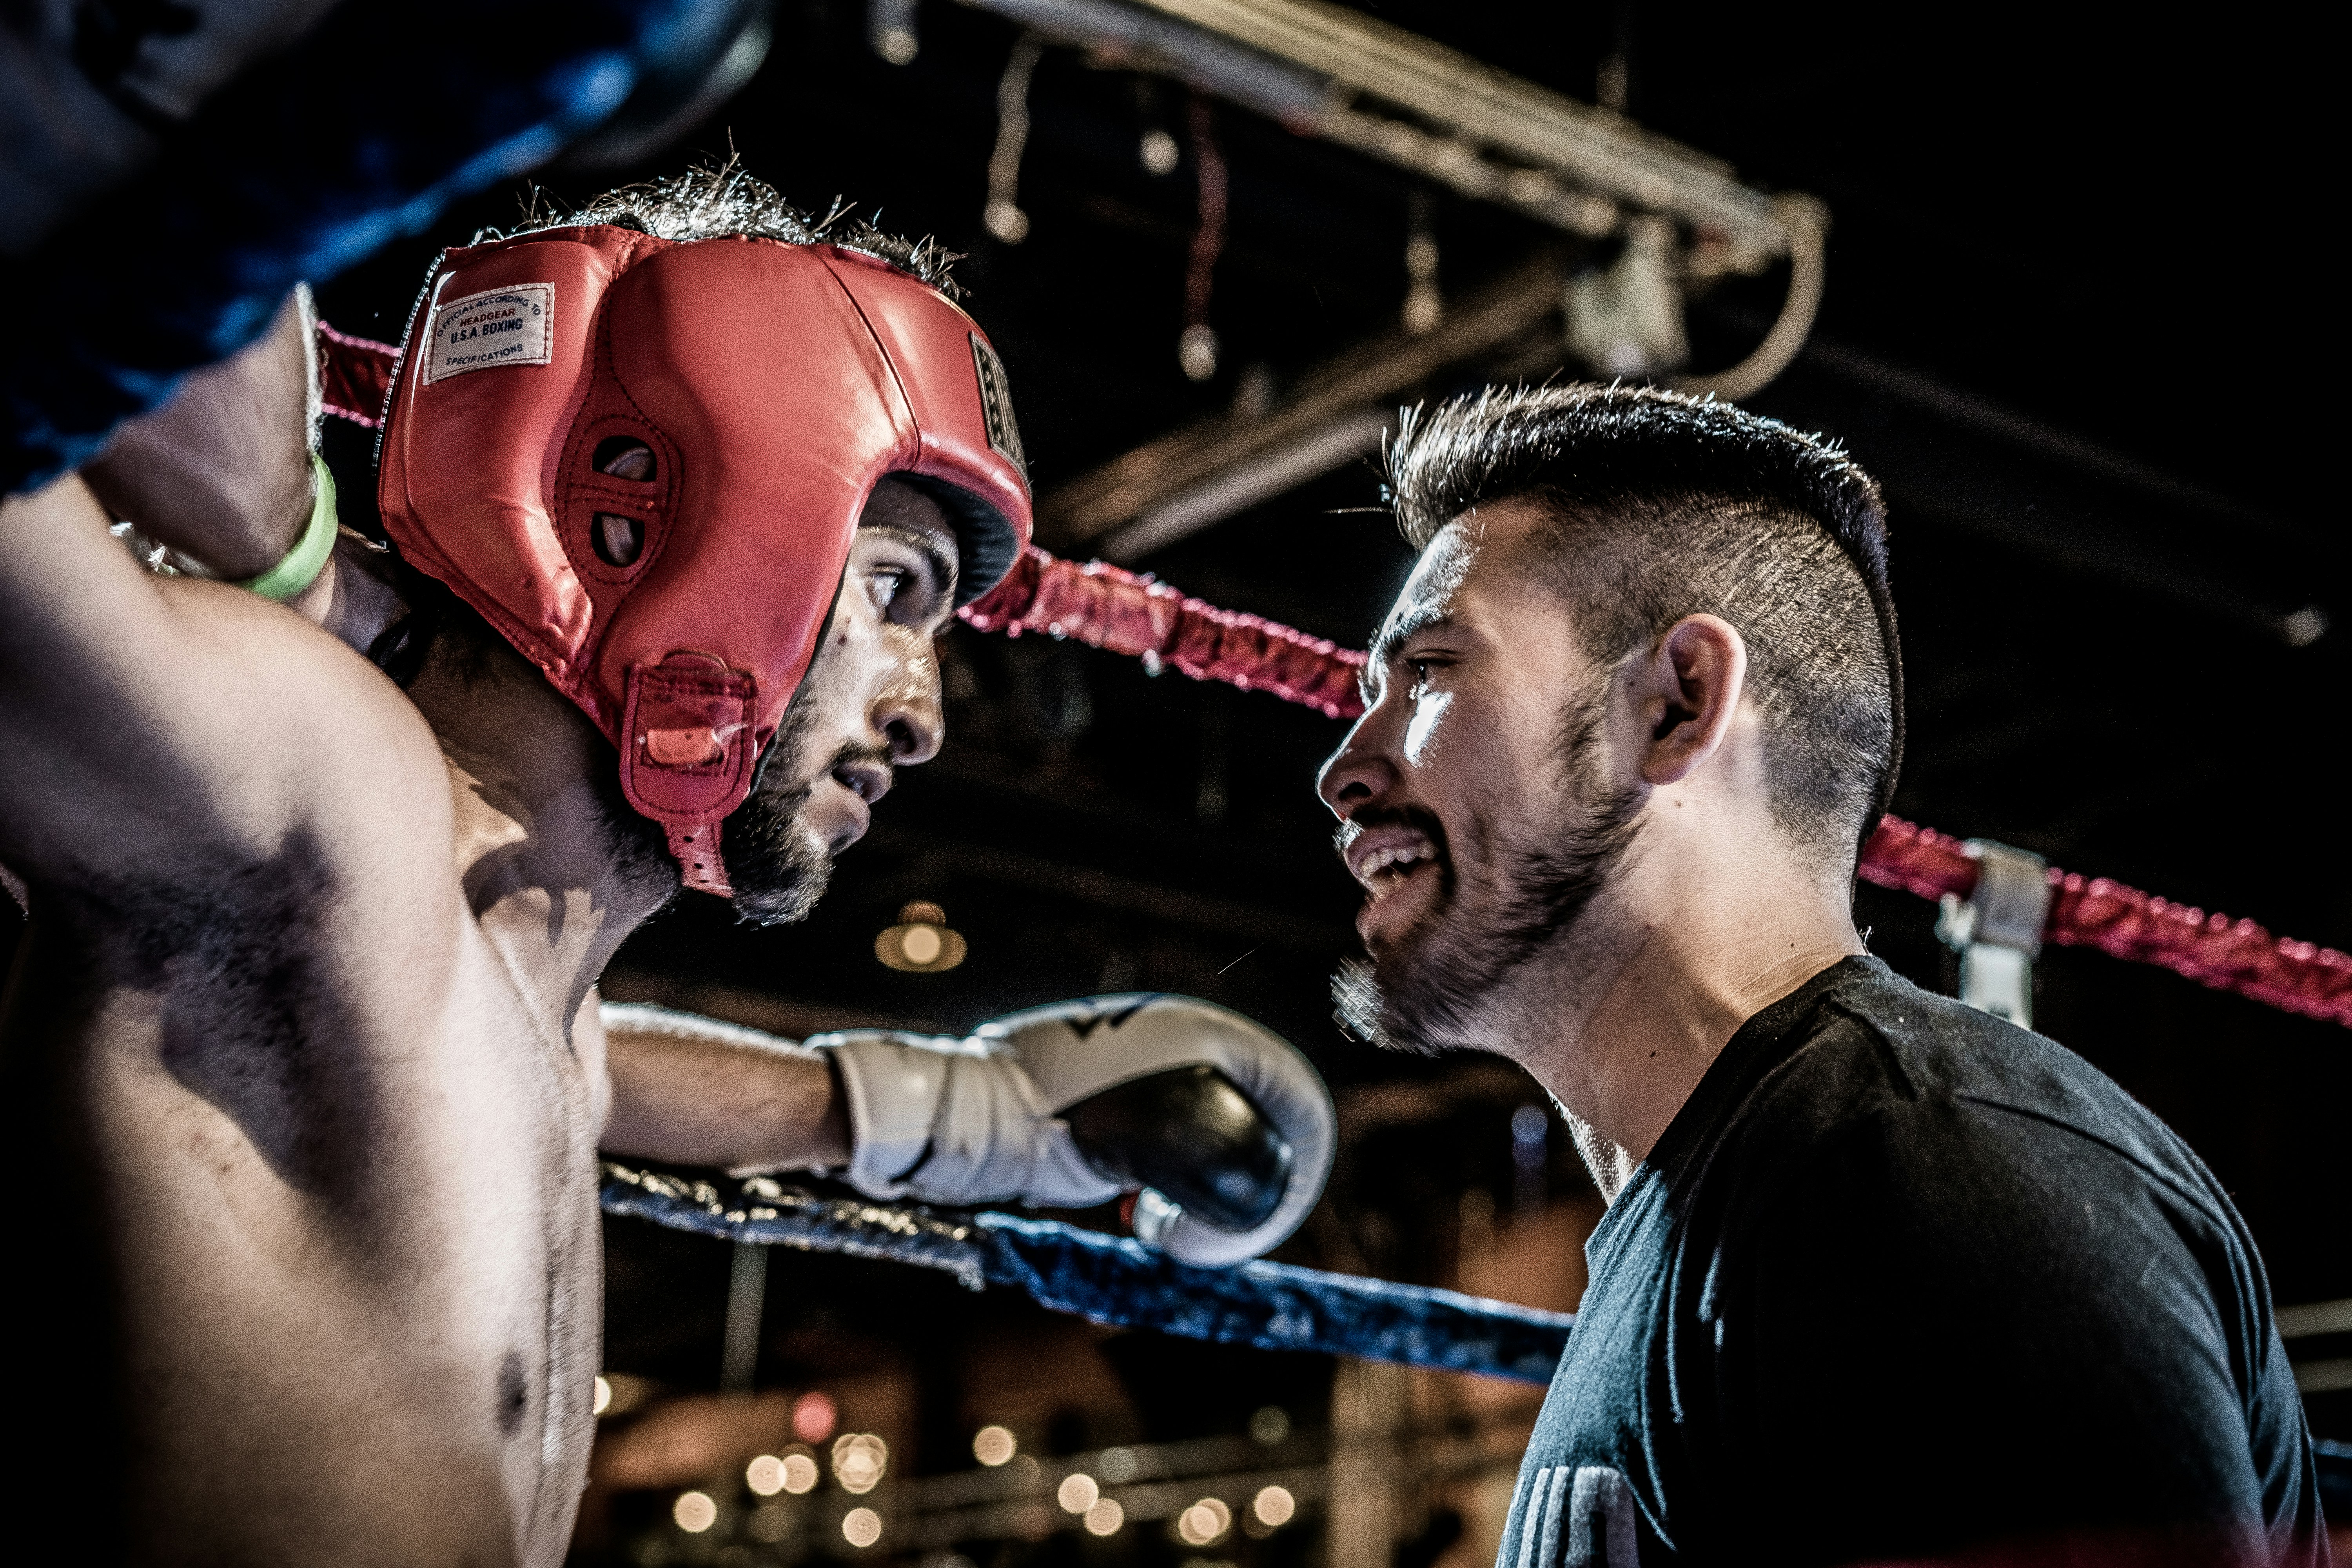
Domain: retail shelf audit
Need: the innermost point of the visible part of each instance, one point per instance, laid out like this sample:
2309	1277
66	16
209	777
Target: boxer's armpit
695	1092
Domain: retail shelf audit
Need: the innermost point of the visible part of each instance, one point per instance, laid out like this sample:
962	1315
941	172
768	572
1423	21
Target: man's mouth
861	784
1385	858
869	782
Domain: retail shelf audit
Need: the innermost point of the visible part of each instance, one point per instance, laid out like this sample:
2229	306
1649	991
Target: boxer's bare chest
340	1202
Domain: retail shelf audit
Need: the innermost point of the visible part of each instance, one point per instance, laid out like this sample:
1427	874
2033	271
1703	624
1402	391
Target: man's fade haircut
1658	506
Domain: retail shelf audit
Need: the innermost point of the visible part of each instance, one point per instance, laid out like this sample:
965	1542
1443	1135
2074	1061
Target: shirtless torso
302	1045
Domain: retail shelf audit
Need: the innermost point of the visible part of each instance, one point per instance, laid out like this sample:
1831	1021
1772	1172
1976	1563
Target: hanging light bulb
1196	349
1002	216
890	28
921	942
1423	307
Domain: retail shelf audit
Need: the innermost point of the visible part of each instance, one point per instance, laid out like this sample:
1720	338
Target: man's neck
1623	1056
550	883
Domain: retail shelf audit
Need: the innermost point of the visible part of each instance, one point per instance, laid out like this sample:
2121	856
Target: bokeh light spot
814	1417
1204	1522
858	1461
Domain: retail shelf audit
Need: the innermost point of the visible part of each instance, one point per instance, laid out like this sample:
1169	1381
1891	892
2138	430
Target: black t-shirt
1904	1281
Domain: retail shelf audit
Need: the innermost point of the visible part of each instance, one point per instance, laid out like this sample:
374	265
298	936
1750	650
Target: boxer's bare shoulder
285	1059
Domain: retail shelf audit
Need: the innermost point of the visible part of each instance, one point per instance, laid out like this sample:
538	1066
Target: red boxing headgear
776	384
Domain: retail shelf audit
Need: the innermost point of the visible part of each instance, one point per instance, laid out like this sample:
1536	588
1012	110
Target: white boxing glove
1222	1128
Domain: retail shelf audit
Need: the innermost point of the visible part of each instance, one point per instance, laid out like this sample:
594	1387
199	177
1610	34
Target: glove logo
500	327
1082	1027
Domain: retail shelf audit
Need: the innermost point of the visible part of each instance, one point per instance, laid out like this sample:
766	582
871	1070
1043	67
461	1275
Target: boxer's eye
908	592
891	585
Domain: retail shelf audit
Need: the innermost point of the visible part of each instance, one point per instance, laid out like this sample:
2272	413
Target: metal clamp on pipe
1997	929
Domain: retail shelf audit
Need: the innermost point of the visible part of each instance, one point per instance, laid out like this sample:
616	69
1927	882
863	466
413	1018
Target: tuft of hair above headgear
710	201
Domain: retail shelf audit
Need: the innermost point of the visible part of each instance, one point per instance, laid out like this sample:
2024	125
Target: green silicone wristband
303	565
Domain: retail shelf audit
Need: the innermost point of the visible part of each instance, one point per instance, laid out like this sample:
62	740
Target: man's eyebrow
1395	634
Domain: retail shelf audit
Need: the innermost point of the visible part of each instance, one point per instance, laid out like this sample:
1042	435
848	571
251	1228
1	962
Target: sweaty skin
1455	774
303	1025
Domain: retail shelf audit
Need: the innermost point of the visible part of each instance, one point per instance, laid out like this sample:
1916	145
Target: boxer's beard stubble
1425	993
778	869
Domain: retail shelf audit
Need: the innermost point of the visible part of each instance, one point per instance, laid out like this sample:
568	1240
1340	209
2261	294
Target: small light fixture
921	942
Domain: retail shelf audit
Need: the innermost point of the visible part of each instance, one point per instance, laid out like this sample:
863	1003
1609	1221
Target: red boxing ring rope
1106	607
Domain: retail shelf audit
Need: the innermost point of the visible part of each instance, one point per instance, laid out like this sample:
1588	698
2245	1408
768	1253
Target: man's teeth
1382	860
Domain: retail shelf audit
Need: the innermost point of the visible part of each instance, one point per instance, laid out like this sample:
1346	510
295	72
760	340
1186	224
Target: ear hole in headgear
624	458
618	540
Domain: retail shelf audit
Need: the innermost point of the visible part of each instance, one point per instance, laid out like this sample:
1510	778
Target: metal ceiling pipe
1398	97
1395	96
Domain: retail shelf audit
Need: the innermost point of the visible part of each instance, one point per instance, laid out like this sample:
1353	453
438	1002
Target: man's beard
1428	989
777	867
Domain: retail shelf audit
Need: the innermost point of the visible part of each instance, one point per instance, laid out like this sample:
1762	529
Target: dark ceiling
2066	323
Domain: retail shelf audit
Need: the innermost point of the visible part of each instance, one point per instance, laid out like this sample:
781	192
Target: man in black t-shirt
1883	1280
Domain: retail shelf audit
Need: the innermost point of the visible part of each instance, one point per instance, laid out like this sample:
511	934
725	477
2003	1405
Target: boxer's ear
1685	691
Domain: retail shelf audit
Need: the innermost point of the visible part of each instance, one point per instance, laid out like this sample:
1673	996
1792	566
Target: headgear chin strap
774	384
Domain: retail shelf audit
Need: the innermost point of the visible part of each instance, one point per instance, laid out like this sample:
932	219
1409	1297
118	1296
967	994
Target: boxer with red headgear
305	1016
681	491
305	1019
642	460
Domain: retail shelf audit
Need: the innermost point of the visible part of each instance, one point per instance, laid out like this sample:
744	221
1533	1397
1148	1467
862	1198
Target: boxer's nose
907	713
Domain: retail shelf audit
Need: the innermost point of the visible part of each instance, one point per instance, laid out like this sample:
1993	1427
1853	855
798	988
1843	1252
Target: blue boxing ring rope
1115	1280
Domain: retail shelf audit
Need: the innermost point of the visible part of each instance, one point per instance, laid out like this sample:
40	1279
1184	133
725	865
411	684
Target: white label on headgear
504	326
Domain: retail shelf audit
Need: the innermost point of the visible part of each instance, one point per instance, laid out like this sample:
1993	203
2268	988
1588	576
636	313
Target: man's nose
1360	771
907	714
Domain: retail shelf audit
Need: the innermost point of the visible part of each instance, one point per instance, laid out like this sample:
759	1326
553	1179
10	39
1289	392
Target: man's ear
1685	693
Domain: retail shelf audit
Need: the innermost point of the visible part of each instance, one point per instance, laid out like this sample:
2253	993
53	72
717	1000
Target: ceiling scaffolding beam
1208	470
1326	71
